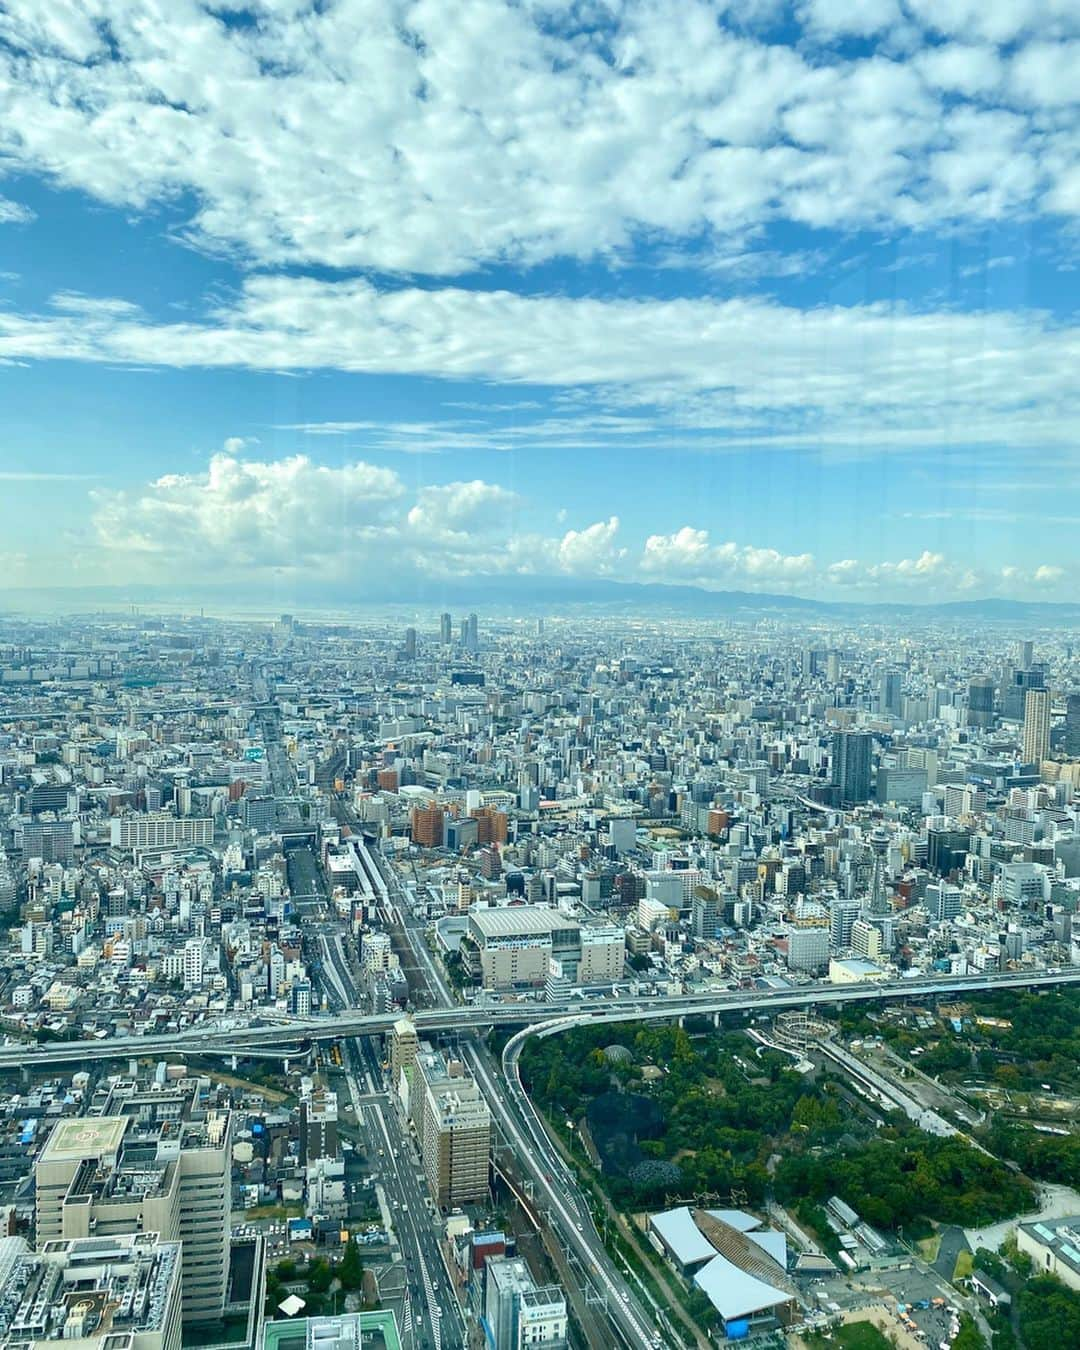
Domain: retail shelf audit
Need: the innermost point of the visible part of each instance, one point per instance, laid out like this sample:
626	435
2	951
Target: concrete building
153	1164
160	830
404	1046
808	949
1036	726
517	1313
453	1126
318	1125
514	944
855	971
101	1293
1054	1246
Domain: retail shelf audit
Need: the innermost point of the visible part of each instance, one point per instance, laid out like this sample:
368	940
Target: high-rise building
427	825
108	1292
154	1163
404	1045
453	1125
410	644
1020	681
53	841
705	913
1072	726
1036	726
890	692
980	701
843	911
472	636
808	949
446	630
851	755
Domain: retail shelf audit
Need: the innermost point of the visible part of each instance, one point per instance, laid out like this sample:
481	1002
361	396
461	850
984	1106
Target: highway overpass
289	1034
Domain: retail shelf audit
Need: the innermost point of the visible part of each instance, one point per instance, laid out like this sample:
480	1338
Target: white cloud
689	555
754	371
592	551
244	519
248	513
385	136
14	213
475	506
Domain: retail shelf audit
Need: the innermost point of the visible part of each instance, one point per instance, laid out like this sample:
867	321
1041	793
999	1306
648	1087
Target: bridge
290	1035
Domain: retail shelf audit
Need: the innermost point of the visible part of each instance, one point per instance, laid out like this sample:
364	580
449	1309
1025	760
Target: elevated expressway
287	1035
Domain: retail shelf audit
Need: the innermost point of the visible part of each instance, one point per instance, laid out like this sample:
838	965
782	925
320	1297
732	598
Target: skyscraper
1072	725
889	692
851	751
472	639
446	630
1036	726
1021	679
410	644
981	702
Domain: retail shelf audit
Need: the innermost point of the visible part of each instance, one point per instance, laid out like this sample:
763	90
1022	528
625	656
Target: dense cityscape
539	675
293	908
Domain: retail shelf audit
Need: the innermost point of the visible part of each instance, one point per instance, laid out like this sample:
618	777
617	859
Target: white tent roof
682	1237
734	1293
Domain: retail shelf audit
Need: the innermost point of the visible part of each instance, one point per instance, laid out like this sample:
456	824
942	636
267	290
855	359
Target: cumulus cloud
460	507
689	555
386	136
248	513
243	518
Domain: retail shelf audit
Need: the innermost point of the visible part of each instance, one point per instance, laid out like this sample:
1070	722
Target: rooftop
86	1137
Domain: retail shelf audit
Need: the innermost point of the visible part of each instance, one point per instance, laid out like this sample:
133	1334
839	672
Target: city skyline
293	295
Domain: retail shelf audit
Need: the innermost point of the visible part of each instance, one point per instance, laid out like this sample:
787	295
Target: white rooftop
734	1293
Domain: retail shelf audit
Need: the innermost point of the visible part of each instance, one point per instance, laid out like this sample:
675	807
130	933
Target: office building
903	786
517	1313
1020	682
374	1330
808	949
155	1163
946	849
851	755
410	644
705	913
472	634
843	911
980	702
1036	726
890	695
1072	726
103	1293
446	629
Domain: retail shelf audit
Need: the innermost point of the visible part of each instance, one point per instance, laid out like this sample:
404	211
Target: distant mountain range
524	594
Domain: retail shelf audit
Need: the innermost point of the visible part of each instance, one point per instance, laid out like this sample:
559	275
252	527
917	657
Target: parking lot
911	1287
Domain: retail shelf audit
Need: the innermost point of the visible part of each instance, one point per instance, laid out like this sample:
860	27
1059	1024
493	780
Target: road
438	1323
233	1036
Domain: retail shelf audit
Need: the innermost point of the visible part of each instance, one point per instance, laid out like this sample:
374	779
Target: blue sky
763	296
